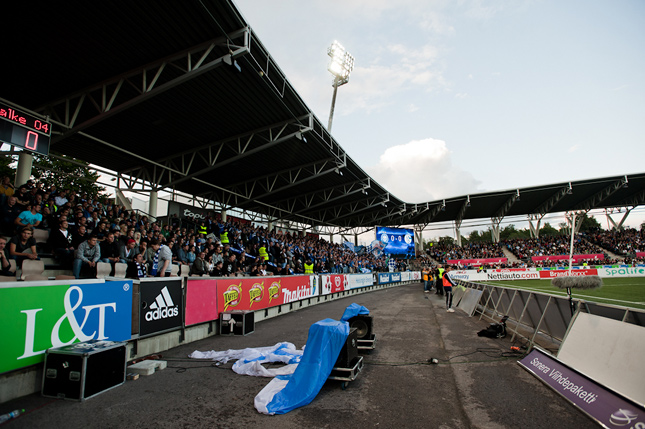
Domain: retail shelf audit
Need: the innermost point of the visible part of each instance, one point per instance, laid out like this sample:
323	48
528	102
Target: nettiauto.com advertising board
36	317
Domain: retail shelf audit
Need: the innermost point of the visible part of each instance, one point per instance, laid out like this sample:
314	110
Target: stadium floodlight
341	64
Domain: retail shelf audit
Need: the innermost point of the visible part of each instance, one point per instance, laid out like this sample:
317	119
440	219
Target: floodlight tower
341	64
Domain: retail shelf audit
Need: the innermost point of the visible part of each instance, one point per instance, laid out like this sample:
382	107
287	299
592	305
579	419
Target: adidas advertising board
161	305
36	317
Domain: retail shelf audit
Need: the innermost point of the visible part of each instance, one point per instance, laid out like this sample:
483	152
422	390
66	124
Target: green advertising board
37	317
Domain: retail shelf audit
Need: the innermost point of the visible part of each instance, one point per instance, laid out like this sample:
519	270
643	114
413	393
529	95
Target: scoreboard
23	130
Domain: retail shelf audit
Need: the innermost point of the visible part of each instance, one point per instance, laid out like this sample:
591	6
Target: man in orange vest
424	274
448	283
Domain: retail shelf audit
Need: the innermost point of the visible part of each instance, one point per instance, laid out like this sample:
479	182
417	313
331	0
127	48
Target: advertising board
237	293
36	317
332	283
161	305
603	405
201	300
360	280
476	262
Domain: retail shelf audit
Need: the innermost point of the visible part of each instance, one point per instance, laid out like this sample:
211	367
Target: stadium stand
284	252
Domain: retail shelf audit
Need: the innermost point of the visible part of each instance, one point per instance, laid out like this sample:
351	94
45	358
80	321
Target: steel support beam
81	110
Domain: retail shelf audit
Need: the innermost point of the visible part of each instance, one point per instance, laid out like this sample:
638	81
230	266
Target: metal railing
541	318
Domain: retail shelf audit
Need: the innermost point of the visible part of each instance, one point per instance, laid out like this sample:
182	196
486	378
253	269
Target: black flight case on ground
82	370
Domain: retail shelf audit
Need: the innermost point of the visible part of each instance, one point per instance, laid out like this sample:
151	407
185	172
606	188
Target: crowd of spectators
84	230
625	242
444	253
550	246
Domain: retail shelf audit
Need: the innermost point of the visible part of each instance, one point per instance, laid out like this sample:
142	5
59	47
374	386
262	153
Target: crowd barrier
537	317
151	314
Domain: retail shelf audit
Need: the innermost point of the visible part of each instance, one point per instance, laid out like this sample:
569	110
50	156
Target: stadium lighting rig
341	64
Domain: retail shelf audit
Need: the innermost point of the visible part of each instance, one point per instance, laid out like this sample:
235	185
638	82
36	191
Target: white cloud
435	22
420	171
461	95
413	108
574	148
373	86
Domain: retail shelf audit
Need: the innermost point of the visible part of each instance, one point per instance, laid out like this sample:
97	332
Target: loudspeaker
237	322
364	325
349	351
82	370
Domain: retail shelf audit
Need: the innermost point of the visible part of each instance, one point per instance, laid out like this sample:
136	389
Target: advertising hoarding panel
201	300
36	317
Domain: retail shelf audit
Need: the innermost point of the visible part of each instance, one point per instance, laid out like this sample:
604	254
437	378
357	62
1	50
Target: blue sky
455	97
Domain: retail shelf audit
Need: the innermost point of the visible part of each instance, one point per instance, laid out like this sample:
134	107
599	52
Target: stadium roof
183	95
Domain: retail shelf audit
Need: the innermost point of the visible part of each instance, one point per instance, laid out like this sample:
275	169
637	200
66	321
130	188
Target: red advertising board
549	274
201	301
332	283
237	293
476	261
594	256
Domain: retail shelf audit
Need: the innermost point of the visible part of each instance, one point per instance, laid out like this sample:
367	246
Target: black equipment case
83	370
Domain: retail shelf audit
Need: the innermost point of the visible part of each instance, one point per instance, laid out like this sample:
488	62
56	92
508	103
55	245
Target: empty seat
103	269
32	268
41	235
184	270
120	269
174	270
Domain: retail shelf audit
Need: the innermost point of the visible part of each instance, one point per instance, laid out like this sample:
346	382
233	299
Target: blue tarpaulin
353	310
287	392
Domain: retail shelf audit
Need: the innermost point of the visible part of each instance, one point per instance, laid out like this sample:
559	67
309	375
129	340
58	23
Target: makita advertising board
332	283
257	293
201	300
161	305
36	316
